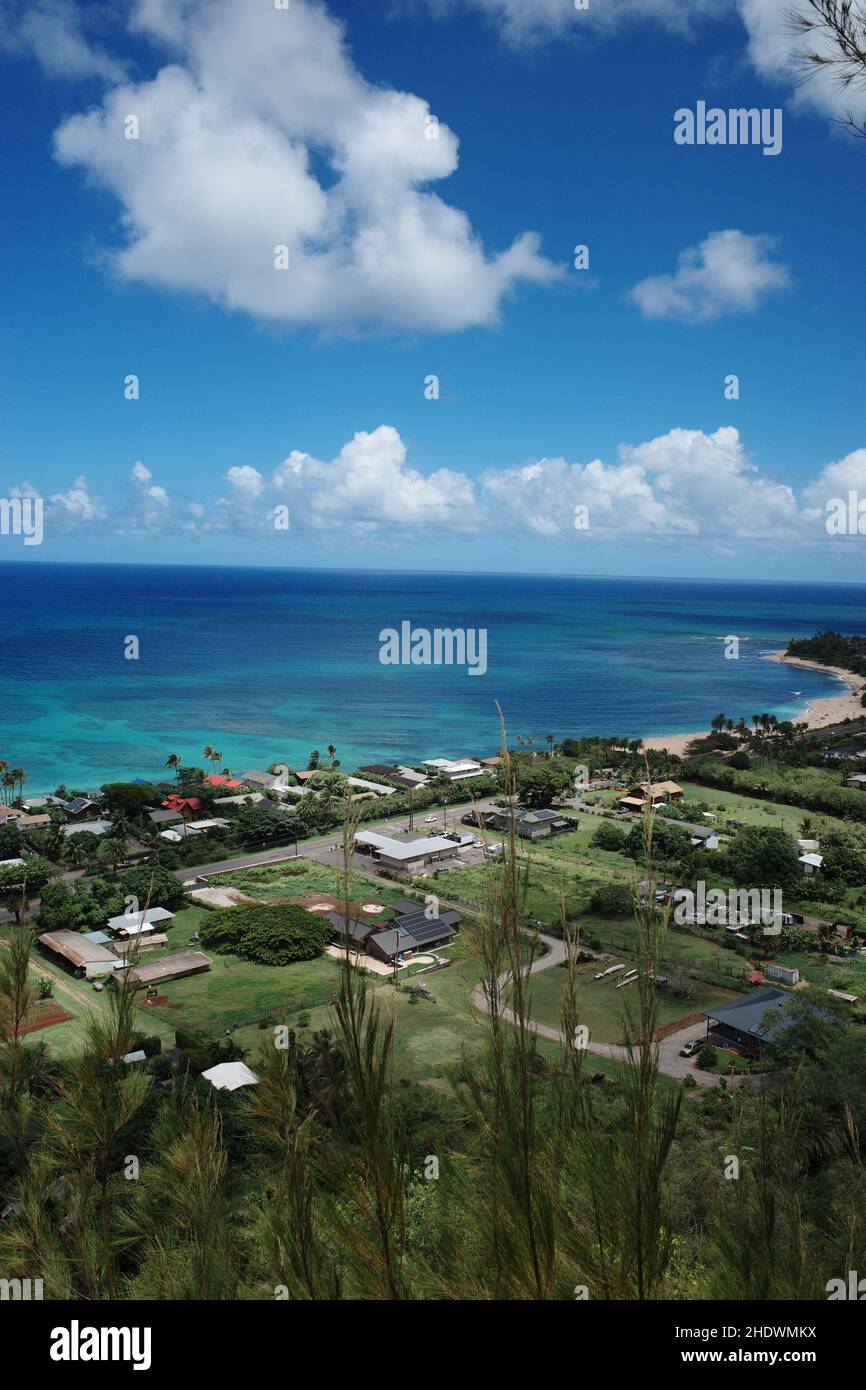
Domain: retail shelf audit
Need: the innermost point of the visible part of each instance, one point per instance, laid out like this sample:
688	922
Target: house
748	1023
132	923
356	930
528	824
265	781
788	974
219	779
858	781
152	942
456	770
33	822
164	817
230	1076
78	807
186	805
656	793
402	856
88	959
844	751
91	827
377	787
404	936
405	777
811	863
246	799
40	801
704	835
169	968
807	846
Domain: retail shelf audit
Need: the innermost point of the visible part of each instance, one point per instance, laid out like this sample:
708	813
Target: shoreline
826	710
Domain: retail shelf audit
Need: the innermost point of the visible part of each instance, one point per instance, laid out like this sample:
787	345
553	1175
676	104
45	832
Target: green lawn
751	810
235	992
602	1004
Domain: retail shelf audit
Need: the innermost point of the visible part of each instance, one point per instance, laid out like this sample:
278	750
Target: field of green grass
751	810
602	1004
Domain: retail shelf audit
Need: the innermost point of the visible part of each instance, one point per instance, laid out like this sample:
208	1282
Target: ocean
267	664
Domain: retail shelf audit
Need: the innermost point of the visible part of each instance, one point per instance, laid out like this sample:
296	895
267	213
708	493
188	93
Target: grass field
431	1038
602	1004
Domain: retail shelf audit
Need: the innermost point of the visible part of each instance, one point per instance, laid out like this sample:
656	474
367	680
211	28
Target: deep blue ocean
267	664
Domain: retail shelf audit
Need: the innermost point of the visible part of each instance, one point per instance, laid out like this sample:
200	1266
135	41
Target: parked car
690	1048
430	820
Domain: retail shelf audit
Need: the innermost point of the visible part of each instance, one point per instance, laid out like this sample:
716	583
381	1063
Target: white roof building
230	1076
456	769
370	786
404	851
133	923
93	827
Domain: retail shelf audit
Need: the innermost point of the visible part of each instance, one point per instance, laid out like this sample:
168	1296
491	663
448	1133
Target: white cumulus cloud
261	134
729	272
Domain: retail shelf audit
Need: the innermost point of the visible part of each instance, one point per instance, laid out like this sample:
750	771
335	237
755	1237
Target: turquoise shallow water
268	664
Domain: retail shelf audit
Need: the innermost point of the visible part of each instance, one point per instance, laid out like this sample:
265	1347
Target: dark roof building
747	1023
412	931
529	825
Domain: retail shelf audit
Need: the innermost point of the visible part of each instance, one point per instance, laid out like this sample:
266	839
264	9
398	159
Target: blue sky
557	387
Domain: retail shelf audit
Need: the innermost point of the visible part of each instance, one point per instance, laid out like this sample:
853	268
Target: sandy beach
829	710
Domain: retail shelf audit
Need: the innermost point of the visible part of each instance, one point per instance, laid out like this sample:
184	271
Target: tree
153	886
763	857
173	761
538	783
837	28
21	882
266	933
112	851
610	836
129	798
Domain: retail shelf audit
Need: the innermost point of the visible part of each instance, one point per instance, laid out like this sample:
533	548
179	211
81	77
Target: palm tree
218	759
8	782
111	852
208	753
3	766
332	753
550	739
18	778
174	761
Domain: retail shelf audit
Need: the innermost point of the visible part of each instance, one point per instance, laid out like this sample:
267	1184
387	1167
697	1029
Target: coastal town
134	880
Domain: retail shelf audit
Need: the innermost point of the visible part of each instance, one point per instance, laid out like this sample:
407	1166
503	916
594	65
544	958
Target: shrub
152	885
707	1057
609	836
612	900
266	933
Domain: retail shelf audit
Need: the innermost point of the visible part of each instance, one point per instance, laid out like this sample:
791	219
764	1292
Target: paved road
328	849
670	1062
